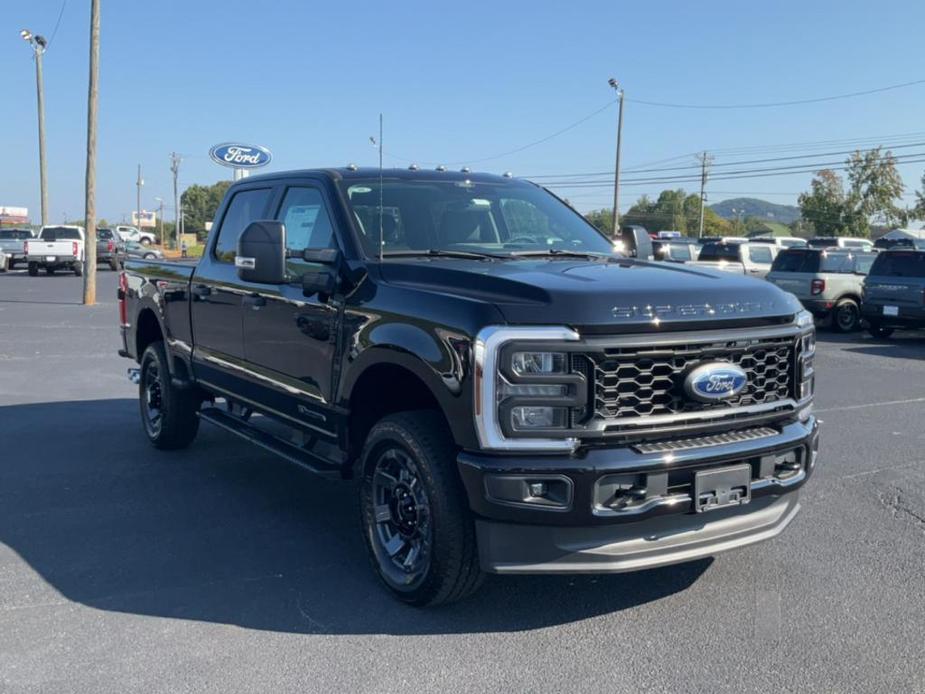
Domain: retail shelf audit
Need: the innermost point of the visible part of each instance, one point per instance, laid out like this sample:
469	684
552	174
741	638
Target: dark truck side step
273	444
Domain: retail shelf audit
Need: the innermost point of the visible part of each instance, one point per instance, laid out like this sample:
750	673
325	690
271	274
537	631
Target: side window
306	219
245	207
760	254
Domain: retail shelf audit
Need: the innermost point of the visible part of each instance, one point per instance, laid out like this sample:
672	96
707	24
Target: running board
273	444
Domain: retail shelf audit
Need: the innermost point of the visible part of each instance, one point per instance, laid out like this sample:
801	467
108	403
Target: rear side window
760	254
899	264
245	207
796	261
720	251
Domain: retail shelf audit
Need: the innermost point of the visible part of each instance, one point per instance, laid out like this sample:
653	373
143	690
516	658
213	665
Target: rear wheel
168	413
78	268
416	522
847	316
879	331
114	265
33	269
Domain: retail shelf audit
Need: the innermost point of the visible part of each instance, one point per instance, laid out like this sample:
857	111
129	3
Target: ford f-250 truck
509	395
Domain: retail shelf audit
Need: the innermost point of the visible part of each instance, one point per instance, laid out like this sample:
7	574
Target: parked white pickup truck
58	247
740	258
129	233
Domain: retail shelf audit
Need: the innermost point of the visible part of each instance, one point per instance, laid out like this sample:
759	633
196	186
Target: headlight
805	319
525	363
524	392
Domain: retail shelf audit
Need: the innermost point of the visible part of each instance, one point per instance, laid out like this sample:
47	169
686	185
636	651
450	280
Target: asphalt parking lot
219	568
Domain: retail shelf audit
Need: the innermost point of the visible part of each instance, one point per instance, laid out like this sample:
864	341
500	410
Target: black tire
49	271
846	316
145	241
33	269
168	413
114	265
78	268
879	331
427	510
149	256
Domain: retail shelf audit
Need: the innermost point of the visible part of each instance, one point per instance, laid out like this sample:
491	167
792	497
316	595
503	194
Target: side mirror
261	255
321	281
637	242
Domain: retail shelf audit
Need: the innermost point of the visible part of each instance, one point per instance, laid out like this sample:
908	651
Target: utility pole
139	183
616	174
160	219
175	169
90	191
705	161
38	44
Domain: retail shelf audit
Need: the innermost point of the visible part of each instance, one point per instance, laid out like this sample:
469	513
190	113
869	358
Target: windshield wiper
558	253
441	253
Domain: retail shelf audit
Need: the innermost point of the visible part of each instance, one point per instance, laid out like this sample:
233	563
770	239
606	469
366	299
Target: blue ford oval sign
715	381
240	156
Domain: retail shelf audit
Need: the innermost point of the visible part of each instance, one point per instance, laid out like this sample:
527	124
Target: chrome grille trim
706	441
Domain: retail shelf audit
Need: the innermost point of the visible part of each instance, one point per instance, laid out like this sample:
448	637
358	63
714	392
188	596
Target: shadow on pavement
222	532
903	344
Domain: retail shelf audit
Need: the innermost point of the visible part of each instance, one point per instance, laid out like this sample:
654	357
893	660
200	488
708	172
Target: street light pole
175	169
160	219
616	174
38	44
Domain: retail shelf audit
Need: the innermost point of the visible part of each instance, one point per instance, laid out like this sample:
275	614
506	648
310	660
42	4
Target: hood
598	293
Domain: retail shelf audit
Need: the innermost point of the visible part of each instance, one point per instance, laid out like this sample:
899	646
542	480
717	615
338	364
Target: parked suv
508	394
827	282
894	292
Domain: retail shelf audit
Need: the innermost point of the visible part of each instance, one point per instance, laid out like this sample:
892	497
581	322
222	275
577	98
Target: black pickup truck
510	395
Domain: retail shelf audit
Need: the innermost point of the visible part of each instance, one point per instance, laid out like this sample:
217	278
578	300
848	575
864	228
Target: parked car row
844	282
61	248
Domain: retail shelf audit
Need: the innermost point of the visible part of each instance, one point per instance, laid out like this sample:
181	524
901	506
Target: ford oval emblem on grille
715	381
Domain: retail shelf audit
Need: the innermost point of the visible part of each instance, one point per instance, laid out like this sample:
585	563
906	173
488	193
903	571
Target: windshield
60	234
15	234
720	251
492	218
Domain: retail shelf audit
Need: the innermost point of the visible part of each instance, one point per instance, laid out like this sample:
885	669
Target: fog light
537	489
535	417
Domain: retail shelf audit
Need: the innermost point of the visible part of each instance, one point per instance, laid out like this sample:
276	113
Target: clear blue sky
457	82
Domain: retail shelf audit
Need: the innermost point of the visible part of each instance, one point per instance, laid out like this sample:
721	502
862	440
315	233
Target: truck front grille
640	383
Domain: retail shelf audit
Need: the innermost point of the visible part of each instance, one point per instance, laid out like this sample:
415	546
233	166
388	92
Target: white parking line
871	404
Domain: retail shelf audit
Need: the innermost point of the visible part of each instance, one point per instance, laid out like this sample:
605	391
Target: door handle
255	301
201	290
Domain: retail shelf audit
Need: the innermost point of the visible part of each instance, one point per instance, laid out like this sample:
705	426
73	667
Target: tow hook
134	375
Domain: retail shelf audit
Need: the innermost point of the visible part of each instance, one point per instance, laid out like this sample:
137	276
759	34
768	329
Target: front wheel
847	316
418	529
879	331
168	413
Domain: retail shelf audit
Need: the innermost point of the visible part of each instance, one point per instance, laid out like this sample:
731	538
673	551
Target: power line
773	104
889	147
54	32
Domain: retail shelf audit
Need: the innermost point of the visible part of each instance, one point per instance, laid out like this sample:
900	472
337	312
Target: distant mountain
753	207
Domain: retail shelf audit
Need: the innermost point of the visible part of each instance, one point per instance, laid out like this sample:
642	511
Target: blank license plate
50	258
722	487
891	310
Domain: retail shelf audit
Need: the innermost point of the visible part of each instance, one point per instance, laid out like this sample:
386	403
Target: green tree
918	210
602	219
825	205
874	186
200	203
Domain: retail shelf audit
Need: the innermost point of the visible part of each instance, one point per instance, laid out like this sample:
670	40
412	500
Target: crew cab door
290	340
216	294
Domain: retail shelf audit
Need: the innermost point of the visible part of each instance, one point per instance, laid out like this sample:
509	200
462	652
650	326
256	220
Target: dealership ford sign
240	156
